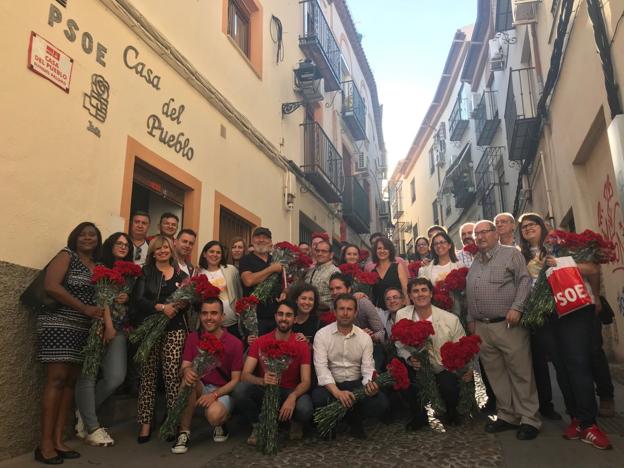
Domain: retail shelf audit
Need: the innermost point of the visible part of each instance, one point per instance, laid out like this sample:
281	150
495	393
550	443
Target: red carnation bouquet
275	356
210	352
362	281
458	357
299	267
328	416
455	281
588	246
413	268
109	283
327	317
287	255
450	293
471	248
415	338
442	297
191	291
247	317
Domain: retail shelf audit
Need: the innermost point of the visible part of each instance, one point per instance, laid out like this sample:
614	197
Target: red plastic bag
567	286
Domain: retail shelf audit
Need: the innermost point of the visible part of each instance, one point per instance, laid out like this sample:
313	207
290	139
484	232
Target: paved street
387	446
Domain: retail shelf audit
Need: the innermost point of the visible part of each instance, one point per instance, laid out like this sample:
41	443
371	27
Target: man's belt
491	320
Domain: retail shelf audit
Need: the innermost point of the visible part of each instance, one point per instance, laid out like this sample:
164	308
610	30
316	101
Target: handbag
35	296
567	286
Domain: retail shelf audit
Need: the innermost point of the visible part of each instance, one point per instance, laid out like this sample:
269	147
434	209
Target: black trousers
448	386
370	407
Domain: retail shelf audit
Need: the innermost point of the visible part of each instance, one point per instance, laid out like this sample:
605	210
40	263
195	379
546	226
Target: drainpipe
551	217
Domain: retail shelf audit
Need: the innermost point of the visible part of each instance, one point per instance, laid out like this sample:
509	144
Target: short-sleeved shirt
307	328
251	262
232	358
291	377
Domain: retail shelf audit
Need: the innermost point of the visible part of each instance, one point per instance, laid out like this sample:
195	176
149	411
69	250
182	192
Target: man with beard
213	388
343	360
254	268
293	382
466	232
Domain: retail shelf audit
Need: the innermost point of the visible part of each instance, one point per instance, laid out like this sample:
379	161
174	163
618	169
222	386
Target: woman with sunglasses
89	395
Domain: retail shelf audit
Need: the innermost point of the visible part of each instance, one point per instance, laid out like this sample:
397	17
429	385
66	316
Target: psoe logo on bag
571	295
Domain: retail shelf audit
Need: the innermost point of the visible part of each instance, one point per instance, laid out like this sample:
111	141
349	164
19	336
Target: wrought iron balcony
486	118
355	206
354	110
459	180
322	163
521	114
458	120
384	209
319	44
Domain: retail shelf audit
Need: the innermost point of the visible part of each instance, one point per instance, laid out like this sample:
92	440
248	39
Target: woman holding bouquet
389	271
62	334
443	257
160	279
90	396
213	263
568	338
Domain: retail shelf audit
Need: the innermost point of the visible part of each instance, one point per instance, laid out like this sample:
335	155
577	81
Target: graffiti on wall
611	222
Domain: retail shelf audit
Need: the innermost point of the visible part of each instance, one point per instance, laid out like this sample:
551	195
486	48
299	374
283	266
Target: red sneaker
593	435
573	431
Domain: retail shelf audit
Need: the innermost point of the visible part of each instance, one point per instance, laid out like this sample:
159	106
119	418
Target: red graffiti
611	223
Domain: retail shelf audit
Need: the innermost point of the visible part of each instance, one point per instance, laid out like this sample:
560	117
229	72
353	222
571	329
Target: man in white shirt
183	247
343	359
139	226
447	328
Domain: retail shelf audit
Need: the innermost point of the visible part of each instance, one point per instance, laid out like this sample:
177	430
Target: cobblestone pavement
386	446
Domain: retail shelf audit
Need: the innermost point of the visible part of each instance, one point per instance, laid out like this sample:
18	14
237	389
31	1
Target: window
413	189
504	16
436	214
238	26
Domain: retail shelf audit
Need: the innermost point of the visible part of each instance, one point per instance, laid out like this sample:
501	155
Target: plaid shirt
319	277
497	282
465	257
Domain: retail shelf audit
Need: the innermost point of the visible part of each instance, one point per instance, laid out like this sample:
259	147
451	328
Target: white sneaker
220	433
81	432
181	445
99	438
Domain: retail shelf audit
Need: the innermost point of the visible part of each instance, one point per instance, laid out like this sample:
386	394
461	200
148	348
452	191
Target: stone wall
21	376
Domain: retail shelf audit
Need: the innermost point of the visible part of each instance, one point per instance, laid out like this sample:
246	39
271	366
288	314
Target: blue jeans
248	400
89	395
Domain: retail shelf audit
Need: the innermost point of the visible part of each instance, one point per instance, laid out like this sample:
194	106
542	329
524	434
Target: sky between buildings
407	42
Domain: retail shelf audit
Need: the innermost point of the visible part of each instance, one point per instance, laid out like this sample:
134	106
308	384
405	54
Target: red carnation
443	301
471	248
411	333
127	268
245	303
399	374
413	268
303	261
456	356
204	288
287	246
327	317
368	278
102	273
456	279
350	269
321	235
277	349
364	254
212	345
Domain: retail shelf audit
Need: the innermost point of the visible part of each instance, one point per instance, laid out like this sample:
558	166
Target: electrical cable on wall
276	31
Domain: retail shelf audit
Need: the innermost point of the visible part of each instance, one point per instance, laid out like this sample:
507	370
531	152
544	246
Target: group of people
333	359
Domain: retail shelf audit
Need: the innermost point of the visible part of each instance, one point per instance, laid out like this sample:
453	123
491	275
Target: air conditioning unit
361	163
497	55
525	11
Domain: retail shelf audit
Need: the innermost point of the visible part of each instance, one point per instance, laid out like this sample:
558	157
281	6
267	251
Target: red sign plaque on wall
49	61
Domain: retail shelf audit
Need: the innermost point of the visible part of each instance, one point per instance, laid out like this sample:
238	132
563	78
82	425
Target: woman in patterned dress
62	334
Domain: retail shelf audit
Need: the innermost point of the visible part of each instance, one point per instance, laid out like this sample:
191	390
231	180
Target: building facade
501	136
230	113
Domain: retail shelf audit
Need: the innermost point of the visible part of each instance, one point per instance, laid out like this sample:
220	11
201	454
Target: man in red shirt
294	382
213	388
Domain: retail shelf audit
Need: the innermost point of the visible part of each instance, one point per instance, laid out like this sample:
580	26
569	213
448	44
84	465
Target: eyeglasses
122	245
436	244
526	226
483	232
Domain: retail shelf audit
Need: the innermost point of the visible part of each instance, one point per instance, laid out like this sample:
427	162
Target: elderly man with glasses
497	286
